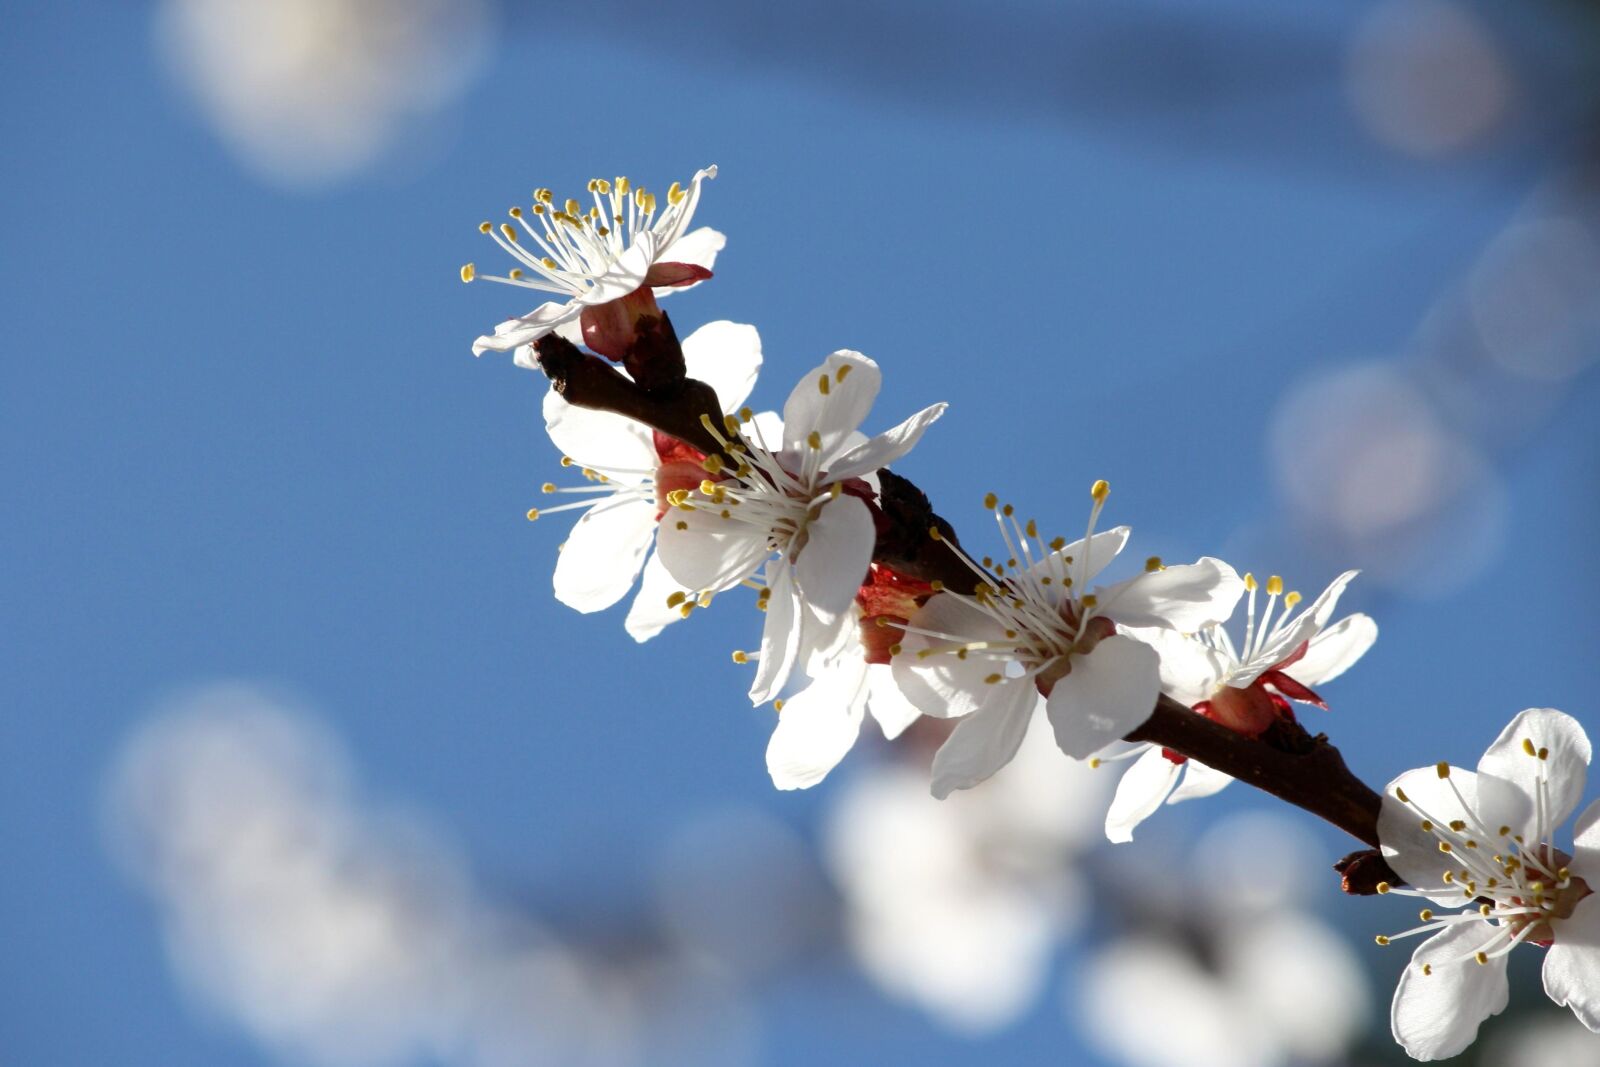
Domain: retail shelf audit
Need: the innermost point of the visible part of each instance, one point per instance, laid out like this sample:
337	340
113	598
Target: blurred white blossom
957	906
310	91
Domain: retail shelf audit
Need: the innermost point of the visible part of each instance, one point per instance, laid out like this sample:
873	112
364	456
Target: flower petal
1436	1015
1108	693
1183	598
780	634
1516	774
1412	851
1334	650
1103	548
885	448
625	274
837	552
1572	967
529	328
834	414
1305	626
817	727
888	705
941	684
601	440
697	248
603	553
1143	789
726	356
703	551
1199	781
1586	845
984	741
1191	670
649	614
670	225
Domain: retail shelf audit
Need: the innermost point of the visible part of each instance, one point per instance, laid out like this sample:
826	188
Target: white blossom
592	256
1246	687
1485	843
1032	632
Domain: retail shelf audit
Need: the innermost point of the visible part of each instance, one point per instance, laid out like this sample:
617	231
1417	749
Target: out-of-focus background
302	764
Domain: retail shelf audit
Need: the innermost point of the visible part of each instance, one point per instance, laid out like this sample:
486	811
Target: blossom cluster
798	510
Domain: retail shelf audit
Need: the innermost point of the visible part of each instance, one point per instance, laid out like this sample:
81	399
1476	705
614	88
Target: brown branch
1286	762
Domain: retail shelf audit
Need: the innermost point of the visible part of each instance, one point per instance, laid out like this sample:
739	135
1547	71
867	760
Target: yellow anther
933	532
1008	511
1444	846
1384	887
515	274
1427	826
1400	795
566	461
675	193
676	598
1544	753
682	525
712	464
730	423
896	649
544	196
990	501
844	368
1382	939
574	208
1481	957
741	657
1090	601
814	439
1032	529
548	487
835	490
468	272
1100	490
992	679
708	487
533	514
1426	915
622	185
515	212
1449	878
1152	564
1458	825
1442	768
824	384
1564	874
777	705
1274	586
1527	746
1058	544
485	226
1291	600
745	414
509	231
1485	910
686	610
1427	968
936	585
540	210
1250	581
549	264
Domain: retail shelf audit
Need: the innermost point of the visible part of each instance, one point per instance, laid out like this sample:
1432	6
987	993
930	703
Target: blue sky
244	436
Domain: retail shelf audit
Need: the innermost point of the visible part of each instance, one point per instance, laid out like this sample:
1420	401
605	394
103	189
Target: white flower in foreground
632	470
1485	842
805	500
620	248
1245	688
1036	633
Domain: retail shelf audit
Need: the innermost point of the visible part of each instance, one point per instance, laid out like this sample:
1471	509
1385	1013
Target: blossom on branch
1246	688
610	262
1485	843
1032	631
631	470
789	499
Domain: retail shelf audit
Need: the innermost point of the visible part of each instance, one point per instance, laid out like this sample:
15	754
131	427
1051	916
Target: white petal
1108	693
1191	670
1572	966
943	685
825	638
527	329
727	357
816	727
603	553
1334	650
887	704
1103	548
671	224
601	440
780	634
837	551
885	448
834	414
1143	789
703	551
650	614
1516	775
1199	781
698	247
1183	598
1412	851
984	741
625	274
1586	845
1435	1016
